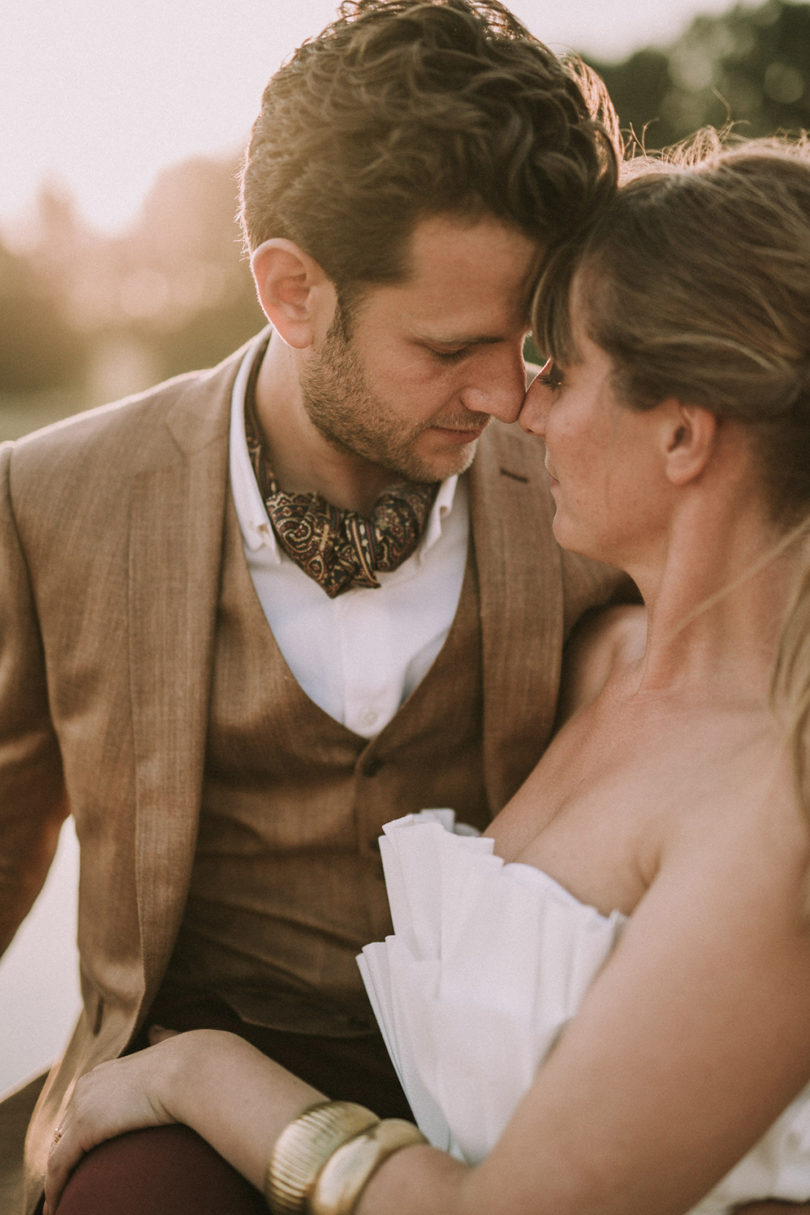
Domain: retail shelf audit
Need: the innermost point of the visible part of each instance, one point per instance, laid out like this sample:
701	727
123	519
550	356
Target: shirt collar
253	521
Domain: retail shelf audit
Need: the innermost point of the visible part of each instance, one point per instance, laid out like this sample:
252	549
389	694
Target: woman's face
600	455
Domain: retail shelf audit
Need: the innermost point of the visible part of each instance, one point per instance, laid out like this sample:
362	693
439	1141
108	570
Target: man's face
430	360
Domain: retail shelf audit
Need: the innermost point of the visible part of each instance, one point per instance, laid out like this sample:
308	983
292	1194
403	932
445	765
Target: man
408	172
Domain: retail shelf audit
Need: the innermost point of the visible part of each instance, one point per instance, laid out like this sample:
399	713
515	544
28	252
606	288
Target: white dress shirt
360	655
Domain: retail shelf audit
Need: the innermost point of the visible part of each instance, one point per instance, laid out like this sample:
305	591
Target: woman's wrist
325	1157
233	1096
188	1063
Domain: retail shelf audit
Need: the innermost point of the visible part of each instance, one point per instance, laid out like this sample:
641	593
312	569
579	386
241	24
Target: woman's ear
688	434
295	294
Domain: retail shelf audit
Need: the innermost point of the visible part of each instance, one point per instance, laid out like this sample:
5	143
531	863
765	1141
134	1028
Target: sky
98	97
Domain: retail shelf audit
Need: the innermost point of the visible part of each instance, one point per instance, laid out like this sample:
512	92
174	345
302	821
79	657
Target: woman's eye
451	356
551	376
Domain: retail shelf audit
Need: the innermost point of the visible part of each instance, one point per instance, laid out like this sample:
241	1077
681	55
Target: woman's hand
208	1079
122	1095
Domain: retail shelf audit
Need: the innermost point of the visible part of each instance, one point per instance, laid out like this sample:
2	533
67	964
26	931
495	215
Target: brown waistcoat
287	882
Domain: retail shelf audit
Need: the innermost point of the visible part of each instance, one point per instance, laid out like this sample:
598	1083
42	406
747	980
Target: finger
65	1153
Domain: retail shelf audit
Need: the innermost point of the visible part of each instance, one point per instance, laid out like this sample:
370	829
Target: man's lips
462	434
459	436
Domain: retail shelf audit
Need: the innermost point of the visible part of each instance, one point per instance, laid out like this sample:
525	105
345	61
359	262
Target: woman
667	821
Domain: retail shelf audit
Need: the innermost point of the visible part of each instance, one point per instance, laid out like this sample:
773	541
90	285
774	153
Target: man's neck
303	460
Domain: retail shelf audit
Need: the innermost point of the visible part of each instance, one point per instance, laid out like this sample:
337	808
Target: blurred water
39	987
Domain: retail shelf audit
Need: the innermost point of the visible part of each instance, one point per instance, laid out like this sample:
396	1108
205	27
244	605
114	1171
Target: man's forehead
451	244
464	278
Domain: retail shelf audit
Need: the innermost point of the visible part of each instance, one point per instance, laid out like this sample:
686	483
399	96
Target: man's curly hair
403	109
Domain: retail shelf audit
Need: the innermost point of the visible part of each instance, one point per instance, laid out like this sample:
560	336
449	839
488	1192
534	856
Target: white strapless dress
487	964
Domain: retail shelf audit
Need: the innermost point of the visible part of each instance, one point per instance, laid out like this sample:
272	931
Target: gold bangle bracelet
304	1146
348	1170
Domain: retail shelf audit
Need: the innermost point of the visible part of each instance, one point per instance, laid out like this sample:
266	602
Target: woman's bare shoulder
603	642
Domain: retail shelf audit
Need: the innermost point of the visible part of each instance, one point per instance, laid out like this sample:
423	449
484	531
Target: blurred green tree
749	66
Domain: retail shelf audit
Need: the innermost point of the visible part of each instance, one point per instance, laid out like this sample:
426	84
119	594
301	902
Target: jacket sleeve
32	799
588	585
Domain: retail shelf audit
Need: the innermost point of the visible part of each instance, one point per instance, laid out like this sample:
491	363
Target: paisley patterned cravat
338	548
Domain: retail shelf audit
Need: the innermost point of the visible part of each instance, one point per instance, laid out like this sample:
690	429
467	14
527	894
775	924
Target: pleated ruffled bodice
488	963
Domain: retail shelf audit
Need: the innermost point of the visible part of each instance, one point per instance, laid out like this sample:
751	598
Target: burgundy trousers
164	1170
170	1170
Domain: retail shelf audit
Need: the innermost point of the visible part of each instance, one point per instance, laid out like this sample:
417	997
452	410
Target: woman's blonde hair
790	689
695	279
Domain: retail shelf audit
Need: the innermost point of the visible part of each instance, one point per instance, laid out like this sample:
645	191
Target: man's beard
342	407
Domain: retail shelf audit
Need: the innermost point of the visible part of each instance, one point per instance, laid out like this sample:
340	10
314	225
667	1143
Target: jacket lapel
175	546
521	600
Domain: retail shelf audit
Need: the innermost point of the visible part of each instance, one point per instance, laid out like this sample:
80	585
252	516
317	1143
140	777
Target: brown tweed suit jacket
110	548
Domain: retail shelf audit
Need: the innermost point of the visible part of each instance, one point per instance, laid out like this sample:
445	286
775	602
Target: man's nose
535	405
499	385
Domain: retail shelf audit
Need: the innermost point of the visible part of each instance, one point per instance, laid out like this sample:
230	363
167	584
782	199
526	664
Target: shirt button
369	717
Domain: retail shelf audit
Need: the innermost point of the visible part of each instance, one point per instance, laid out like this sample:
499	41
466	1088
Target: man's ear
295	294
688	436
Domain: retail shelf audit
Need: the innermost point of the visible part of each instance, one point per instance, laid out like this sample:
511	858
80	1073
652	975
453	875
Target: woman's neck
715	608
